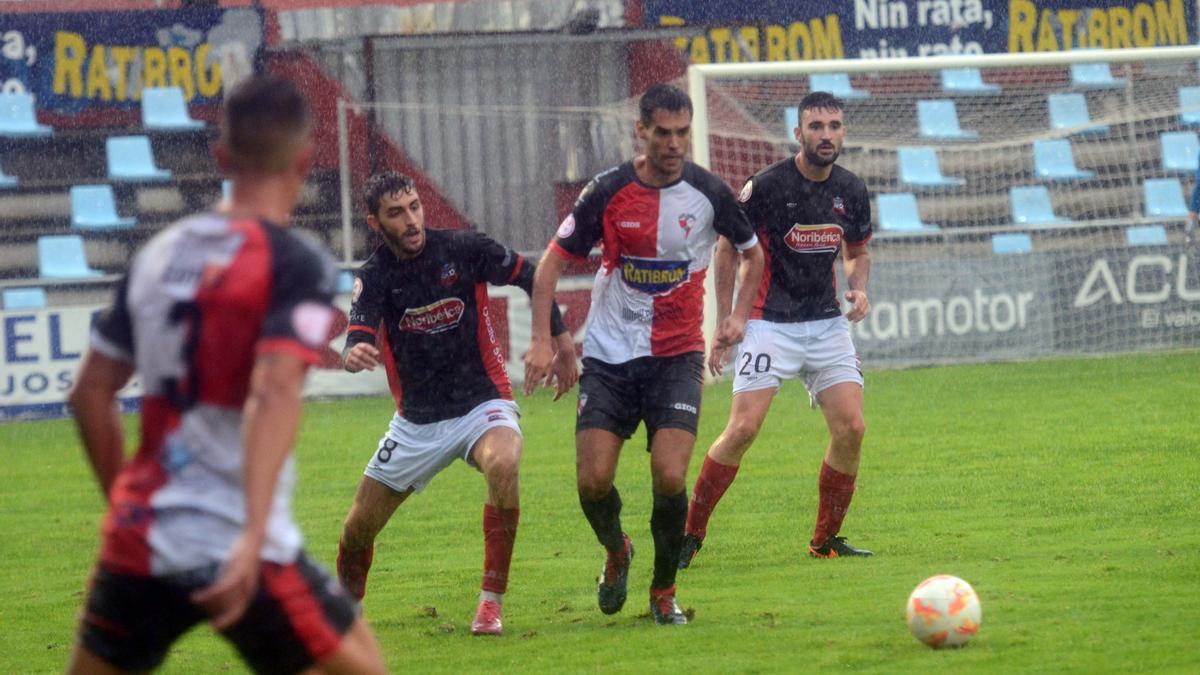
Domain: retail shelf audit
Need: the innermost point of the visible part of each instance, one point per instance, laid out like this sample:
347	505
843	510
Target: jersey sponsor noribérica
803	225
430	319
656	244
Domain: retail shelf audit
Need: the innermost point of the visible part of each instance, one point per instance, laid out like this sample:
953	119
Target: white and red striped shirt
656	244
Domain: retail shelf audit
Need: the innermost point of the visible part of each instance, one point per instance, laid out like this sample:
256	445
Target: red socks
499	533
836	490
711	484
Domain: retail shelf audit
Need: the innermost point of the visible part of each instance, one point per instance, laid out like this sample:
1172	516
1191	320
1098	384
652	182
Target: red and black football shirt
802	225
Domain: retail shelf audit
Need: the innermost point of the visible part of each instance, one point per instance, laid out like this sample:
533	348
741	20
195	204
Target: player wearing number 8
806	211
420	309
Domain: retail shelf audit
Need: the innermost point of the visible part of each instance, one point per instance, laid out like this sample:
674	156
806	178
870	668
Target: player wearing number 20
420	308
806	211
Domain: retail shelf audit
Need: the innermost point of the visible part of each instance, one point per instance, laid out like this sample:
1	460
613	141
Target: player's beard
813	158
398	245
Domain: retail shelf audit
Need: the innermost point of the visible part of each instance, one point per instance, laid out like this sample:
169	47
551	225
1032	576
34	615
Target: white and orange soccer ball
944	611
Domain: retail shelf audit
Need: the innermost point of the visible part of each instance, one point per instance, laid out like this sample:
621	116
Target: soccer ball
943	611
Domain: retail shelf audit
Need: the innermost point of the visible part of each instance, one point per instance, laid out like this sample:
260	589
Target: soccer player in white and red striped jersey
220	315
420	309
657	218
807	211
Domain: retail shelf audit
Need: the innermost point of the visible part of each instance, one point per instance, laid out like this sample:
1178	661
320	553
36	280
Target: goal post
1035	232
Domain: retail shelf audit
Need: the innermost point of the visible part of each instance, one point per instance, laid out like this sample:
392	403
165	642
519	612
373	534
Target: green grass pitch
1065	491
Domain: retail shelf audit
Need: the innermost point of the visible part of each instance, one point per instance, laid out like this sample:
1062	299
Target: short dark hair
385	183
263	120
822	100
663	97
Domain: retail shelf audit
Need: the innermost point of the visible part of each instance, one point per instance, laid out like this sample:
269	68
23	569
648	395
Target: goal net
1023	205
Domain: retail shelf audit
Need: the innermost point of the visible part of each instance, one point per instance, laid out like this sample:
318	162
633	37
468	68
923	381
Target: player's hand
362	356
566	365
858	305
226	600
717	358
730	331
538	361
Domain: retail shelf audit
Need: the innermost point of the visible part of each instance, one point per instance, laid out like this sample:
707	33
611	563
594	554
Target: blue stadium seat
164	108
1069	112
7	181
837	84
345	281
1094	76
25	298
919	167
1189	106
939	120
791	119
1146	235
226	190
1164	198
1012	242
1180	151
94	207
63	256
1053	160
966	81
17	117
130	158
898	213
1031	206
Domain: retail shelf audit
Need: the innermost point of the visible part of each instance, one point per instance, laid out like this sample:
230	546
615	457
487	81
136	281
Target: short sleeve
497	264
366	304
112	331
860	225
301	311
730	220
584	226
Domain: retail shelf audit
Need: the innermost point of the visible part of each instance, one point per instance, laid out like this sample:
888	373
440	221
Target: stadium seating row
1030	205
163	109
970	81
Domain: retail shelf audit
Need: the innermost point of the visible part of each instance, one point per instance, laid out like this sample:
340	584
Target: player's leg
607	415
672	404
765	356
721	465
670	453
836	384
374	504
408	456
130	622
299	621
358	653
497	453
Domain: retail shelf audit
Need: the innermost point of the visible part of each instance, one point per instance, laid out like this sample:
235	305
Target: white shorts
410	455
821	351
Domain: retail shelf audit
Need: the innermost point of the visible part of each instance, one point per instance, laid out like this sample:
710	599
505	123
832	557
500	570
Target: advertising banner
790	30
74	61
966	309
1126	299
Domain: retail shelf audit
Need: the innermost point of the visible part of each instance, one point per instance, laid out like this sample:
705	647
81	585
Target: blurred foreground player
220	315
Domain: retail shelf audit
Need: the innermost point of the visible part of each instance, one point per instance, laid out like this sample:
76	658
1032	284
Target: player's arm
733	224
93	402
856	261
366	309
540	357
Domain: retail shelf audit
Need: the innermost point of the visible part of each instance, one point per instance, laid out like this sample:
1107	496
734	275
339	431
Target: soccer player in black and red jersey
221	315
420	307
807	210
657	217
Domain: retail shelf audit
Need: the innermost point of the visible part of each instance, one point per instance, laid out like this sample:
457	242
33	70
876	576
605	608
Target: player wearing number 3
420	308
806	211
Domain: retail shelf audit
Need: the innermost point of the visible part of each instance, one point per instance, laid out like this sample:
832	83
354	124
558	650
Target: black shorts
296	620
662	391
